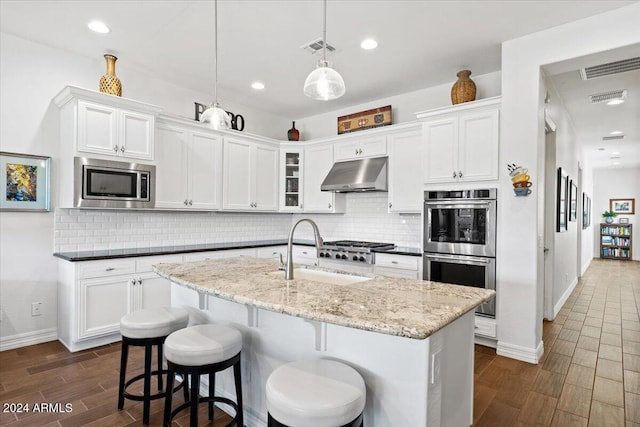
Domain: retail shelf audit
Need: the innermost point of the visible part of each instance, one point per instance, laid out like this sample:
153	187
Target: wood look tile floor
588	376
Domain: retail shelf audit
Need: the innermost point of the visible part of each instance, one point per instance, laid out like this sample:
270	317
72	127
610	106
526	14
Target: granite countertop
401	250
404	307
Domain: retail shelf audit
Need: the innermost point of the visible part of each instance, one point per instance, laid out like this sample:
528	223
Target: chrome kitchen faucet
288	266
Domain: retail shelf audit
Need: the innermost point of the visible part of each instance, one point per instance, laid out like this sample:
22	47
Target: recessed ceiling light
600	149
368	44
98	27
615	102
257	85
616	163
615	153
616	132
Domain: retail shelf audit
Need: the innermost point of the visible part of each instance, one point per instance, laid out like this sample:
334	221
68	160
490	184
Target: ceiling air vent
613	138
610	68
608	96
316	46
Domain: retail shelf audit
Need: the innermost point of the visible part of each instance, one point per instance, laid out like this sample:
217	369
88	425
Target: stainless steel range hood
357	175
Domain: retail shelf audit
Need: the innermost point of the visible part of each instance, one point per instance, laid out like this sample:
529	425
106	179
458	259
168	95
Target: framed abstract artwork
25	180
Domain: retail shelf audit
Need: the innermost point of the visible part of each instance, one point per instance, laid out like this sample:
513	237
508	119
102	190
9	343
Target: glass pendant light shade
324	83
216	118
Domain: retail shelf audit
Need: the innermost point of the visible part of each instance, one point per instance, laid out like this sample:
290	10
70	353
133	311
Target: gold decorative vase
109	83
464	89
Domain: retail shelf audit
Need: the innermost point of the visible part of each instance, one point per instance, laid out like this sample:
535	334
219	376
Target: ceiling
421	44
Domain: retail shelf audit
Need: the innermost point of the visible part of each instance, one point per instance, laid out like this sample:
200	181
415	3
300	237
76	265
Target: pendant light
215	117
324	83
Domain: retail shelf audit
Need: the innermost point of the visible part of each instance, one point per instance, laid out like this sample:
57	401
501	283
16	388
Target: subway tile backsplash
366	219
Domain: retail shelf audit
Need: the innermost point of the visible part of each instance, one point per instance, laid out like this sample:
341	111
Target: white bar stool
198	350
147	328
315	393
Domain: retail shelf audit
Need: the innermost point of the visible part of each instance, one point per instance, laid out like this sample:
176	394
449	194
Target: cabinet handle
122	149
394	262
109	269
329	205
139	281
359	150
356	151
115	148
390	204
455	175
190	202
132	282
459	174
186	202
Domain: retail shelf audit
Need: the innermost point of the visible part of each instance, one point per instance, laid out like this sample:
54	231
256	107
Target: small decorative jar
463	90
293	134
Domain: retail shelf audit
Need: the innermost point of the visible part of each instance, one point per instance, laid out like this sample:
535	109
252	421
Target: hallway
590	371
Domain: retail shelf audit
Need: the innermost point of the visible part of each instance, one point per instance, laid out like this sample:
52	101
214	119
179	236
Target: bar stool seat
147	328
198	350
315	393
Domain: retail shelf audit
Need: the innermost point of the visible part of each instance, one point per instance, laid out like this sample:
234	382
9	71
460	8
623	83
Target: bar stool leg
123	367
195	397
168	397
238	381
212	387
160	367
148	351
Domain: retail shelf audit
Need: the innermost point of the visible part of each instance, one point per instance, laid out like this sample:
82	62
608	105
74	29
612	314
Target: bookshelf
616	241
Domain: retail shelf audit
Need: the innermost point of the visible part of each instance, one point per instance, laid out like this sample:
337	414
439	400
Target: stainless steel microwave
110	184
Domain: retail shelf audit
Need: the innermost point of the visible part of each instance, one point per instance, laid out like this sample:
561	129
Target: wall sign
237	121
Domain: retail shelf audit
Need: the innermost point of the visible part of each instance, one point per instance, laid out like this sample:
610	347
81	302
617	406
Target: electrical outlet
36	308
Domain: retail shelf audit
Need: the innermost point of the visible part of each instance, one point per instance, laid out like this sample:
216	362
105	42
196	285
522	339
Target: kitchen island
412	341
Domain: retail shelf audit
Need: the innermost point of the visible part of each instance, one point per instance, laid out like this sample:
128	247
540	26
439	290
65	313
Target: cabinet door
405	170
205	171
102	303
478	146
97	129
136	135
362	147
346	150
237	174
171	167
318	162
291	179
265	170
152	291
440	150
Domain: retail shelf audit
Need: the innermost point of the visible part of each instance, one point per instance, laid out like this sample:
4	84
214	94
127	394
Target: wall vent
613	138
316	46
623	66
607	96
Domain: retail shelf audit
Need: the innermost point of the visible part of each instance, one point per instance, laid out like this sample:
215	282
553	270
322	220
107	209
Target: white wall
587	252
522	142
615	184
404	106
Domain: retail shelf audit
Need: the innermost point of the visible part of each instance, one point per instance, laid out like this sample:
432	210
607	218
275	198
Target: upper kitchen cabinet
357	148
250	174
318	163
106	125
405	170
461	142
291	179
188	167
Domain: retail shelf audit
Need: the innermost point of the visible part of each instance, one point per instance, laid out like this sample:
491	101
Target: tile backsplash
366	219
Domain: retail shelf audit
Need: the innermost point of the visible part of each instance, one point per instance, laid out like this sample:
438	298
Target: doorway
550	183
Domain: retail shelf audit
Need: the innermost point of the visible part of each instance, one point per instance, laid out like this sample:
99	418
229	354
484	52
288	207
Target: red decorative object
293	134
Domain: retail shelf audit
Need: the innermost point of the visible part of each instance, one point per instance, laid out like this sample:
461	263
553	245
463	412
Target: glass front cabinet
291	185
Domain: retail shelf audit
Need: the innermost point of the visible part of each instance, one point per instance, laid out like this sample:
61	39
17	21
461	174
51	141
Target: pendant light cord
215	47
324	32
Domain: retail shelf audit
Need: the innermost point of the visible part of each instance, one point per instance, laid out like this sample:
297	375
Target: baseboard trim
564	297
28	338
487	342
526	354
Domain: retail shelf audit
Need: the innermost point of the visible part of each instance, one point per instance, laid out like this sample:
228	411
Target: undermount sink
327	276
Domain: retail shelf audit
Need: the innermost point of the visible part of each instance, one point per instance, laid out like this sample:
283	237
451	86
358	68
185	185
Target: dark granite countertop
169	250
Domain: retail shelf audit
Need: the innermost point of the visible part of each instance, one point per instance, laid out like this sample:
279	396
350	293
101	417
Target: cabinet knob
186	202
356	150
390	204
115	148
455	175
122	149
139	281
459	174
359	150
190	202
329	206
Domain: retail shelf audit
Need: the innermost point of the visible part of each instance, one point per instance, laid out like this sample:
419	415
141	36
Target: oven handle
460	259
459	205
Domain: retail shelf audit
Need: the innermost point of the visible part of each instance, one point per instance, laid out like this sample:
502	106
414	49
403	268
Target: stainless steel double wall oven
459	241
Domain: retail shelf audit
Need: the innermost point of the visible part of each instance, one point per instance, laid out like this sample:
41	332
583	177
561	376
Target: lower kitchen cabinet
94	295
392	265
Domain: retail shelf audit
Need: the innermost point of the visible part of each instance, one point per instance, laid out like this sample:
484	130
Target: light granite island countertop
411	340
408	308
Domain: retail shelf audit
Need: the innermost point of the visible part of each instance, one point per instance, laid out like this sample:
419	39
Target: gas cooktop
352	250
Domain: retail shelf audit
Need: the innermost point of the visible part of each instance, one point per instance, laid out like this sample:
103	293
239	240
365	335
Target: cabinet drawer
106	268
145	264
486	327
202	256
396	272
403	262
272	252
307	252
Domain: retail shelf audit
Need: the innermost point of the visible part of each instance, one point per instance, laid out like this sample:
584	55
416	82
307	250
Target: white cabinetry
405	170
461	142
318	163
250	175
395	265
291	179
372	146
94	295
106	125
189	168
